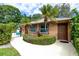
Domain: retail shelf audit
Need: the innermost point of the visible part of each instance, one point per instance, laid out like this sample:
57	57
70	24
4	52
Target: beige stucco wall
53	29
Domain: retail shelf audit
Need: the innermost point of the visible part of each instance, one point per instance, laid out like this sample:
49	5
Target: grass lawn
8	52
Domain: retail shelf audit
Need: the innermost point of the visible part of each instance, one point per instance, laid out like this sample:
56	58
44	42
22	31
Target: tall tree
74	12
9	14
55	11
64	10
48	11
25	19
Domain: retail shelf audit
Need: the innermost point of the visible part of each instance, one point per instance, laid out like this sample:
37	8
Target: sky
39	1
33	8
28	8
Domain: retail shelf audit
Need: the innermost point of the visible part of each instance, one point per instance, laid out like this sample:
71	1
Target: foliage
74	11
36	17
75	26
5	33
75	30
59	10
9	14
49	11
55	11
24	20
8	52
64	10
12	26
76	44
42	40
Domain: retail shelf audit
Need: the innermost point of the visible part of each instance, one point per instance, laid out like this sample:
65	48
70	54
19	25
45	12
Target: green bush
76	44
75	32
12	26
42	40
5	33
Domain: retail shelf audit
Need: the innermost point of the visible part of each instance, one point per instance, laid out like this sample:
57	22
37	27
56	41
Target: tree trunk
45	26
45	21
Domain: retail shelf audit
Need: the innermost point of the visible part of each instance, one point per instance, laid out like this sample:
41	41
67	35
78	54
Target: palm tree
49	12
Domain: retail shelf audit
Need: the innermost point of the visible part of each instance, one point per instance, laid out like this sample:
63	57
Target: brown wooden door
62	32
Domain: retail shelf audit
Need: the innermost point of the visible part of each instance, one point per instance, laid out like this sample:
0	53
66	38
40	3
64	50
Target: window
32	28
42	28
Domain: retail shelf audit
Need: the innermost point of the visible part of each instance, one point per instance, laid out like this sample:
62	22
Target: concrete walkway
6	46
56	49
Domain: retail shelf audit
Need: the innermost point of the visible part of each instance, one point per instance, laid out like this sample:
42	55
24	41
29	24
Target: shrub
75	31
76	44
12	26
5	33
42	40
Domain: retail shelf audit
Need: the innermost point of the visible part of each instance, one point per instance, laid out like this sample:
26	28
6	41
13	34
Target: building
58	27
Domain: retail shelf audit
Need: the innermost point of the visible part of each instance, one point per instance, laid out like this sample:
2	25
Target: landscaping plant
6	32
75	30
41	40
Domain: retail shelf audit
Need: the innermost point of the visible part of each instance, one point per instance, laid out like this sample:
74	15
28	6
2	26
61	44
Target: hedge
75	32
5	33
42	40
76	44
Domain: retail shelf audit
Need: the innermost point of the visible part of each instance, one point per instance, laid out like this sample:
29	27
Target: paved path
56	49
6	46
